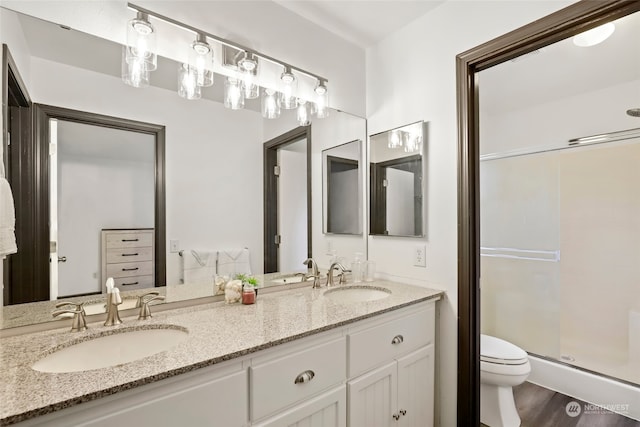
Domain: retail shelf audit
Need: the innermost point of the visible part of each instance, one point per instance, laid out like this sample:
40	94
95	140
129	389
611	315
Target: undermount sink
356	293
290	279
111	350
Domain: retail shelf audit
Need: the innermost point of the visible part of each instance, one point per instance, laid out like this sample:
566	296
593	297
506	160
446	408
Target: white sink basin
110	350
290	279
356	293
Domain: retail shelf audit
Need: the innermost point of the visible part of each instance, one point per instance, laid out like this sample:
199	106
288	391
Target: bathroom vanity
294	357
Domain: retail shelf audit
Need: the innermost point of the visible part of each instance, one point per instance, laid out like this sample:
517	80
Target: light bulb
201	59
270	104
134	72
321	106
141	42
249	68
188	82
288	89
233	94
302	113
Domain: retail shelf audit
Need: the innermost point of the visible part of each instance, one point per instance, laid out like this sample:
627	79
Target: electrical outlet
174	246
419	257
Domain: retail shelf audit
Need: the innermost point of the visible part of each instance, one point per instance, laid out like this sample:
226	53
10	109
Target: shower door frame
560	25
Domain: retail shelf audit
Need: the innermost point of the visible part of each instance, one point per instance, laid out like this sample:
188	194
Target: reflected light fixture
395	139
201	59
233	94
270	104
248	67
134	73
188	87
141	43
289	86
594	36
321	105
303	113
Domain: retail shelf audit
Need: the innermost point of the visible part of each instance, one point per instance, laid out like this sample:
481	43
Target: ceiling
362	22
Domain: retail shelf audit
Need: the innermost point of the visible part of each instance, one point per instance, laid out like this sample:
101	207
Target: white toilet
502	366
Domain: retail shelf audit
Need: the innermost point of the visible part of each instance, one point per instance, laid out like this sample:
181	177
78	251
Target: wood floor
541	407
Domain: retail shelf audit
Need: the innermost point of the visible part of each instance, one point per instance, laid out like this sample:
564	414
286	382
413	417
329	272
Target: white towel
199	267
234	262
7	220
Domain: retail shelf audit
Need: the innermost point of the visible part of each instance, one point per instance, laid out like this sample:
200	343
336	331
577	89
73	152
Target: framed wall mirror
342	189
397	184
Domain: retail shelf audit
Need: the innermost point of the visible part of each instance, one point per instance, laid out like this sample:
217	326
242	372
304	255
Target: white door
327	410
373	398
415	388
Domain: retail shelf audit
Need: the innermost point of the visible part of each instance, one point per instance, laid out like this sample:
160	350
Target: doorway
287	196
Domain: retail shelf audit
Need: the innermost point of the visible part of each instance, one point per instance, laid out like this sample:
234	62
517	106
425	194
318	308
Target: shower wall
560	265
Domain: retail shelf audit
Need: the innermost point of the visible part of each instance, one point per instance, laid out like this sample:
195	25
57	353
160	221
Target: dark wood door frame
336	164
42	115
565	23
270	156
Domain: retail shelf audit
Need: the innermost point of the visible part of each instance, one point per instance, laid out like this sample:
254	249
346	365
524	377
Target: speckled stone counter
217	332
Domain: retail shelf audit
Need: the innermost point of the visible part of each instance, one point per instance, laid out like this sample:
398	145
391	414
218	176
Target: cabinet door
326	410
373	398
415	388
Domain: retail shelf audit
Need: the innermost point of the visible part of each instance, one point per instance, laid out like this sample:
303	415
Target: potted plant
248	280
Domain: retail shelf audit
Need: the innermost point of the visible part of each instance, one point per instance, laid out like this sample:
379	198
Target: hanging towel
199	267
233	262
7	220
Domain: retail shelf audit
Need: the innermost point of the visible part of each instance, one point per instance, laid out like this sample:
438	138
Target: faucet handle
78	323
143	303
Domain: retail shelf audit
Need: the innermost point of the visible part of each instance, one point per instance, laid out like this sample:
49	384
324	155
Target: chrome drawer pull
136	254
129	284
397	339
130	269
130	240
304	377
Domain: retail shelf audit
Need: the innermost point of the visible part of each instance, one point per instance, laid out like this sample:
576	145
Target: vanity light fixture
139	59
188	87
201	59
270	104
395	139
303	113
594	36
288	91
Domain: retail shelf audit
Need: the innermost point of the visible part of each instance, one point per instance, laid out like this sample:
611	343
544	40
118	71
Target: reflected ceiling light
395	139
321	105
595	35
303	113
188	87
270	104
289	86
248	67
134	73
141	43
201	59
233	94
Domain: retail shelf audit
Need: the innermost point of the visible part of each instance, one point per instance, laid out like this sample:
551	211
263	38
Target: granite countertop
217	332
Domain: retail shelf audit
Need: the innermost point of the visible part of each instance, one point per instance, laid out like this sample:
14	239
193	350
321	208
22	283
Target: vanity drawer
131	239
296	376
119	255
384	342
135	282
125	269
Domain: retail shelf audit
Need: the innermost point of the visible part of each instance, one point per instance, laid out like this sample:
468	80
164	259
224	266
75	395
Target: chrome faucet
315	273
78	324
343	270
113	316
143	303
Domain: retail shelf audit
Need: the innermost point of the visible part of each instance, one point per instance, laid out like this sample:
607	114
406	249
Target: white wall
213	156
410	77
261	25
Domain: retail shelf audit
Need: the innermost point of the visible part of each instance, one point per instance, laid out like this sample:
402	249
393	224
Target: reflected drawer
119	255
135	282
126	269
129	240
297	376
379	344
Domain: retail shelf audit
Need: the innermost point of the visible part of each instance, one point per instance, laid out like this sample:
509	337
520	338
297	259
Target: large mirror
397	184
342	188
213	175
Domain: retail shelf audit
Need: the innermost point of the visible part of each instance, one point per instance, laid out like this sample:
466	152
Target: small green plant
247	279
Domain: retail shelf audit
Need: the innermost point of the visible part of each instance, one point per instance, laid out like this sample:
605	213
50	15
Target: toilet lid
497	349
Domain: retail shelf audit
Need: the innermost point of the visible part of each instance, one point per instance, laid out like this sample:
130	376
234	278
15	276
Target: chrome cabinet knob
397	339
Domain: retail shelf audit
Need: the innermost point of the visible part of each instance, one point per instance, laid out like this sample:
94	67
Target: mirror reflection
396	179
342	189
213	171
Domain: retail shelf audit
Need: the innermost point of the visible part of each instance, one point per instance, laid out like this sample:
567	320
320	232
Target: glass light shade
233	94
321	106
201	59
141	42
303	113
248	68
595	35
187	82
288	89
270	104
395	140
134	73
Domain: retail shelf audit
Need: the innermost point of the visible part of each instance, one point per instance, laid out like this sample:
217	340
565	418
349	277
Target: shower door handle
62	259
